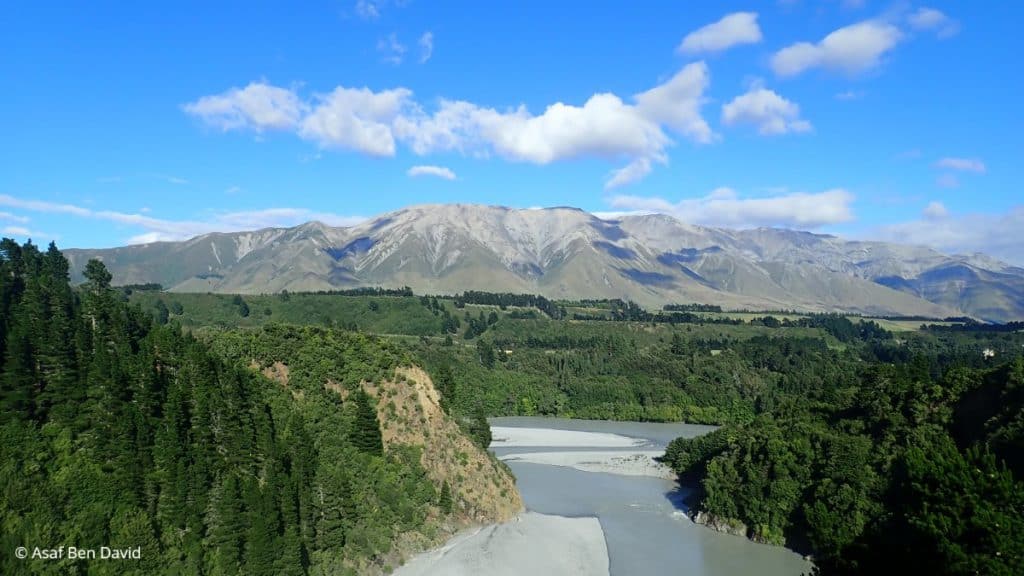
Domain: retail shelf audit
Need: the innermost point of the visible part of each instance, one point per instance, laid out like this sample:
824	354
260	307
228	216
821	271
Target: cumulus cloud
355	119
996	235
961	164
159	229
935	211
257	107
604	126
677	103
732	30
851	49
725	207
426	43
437	171
932	19
769	112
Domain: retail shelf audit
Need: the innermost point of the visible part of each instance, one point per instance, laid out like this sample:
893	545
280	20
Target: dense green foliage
910	466
119	431
868	449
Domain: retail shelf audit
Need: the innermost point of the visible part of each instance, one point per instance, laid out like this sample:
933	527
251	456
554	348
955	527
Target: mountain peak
566	252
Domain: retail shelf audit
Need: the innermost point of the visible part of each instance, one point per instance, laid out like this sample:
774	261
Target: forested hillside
911	468
119	431
301	420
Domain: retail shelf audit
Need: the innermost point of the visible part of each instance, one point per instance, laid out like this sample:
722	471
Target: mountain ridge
565	252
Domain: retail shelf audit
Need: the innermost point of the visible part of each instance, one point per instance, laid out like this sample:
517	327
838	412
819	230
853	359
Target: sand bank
511	437
627	463
532	543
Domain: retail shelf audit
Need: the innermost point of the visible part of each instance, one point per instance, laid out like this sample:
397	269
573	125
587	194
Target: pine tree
445	500
367	436
293	559
162	313
261	537
228	528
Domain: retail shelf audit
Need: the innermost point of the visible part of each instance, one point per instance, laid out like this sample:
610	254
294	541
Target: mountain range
568	253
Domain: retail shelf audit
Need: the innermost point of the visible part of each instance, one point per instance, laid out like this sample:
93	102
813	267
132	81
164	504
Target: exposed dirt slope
410	412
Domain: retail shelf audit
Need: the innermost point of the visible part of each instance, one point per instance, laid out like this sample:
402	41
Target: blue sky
896	121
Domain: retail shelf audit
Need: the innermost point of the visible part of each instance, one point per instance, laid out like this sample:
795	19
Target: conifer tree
445	500
367	436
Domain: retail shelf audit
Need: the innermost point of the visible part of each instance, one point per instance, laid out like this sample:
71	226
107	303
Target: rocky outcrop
720	524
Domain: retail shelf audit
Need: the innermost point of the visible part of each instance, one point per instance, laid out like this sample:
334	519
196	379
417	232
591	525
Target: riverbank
531	543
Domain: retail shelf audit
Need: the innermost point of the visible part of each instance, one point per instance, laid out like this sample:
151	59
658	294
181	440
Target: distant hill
569	253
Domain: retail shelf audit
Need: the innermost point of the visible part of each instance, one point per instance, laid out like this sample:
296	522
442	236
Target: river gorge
598	503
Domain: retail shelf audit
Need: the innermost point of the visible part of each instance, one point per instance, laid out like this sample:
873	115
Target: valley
819	418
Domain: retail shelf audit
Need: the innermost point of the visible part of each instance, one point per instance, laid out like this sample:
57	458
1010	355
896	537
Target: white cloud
850	95
932	19
426	43
604	126
724	207
17	231
257	107
13	217
851	49
438	171
368	9
163	229
771	113
40	206
732	30
935	211
996	235
355	119
961	164
677	103
232	190
616	214
391	49
632	172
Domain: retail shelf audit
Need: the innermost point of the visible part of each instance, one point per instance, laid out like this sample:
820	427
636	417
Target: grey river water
643	518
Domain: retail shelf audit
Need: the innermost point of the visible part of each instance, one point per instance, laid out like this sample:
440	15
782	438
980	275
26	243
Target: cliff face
409	410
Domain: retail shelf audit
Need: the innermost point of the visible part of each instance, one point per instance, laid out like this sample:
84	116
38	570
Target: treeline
120	432
504	300
839	326
975	326
404	291
692	308
894	471
147	287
